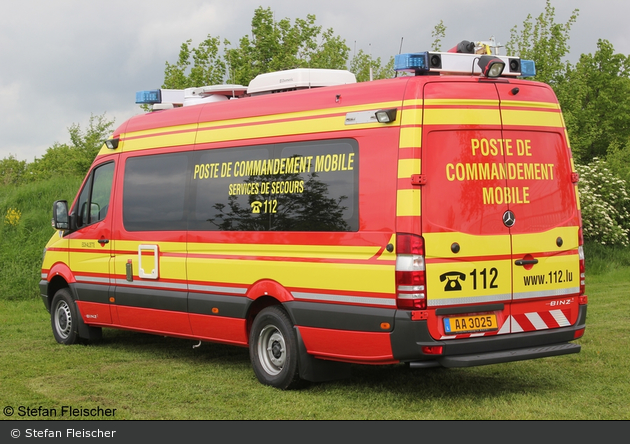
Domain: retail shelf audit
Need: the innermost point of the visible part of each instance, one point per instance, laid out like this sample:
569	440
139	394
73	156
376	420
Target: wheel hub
63	320
272	350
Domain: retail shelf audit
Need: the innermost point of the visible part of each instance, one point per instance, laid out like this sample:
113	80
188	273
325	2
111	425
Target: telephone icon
452	280
256	206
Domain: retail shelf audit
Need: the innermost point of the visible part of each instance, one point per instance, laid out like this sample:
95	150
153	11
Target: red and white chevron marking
524	322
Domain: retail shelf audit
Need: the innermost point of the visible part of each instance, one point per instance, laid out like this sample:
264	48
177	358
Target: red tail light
432	350
410	272
583	300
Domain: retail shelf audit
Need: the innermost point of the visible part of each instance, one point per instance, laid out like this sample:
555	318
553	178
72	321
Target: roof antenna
399	52
370	59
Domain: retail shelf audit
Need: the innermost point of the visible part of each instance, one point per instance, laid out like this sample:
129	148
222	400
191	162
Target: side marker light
386	115
112	144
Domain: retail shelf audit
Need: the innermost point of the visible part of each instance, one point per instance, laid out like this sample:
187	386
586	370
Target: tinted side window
93	202
306	186
154	192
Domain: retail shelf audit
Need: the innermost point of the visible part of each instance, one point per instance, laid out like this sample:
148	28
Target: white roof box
300	78
213	93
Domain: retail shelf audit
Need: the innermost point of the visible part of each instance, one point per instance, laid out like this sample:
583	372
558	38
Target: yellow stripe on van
532	118
515	103
301	115
294	127
438	245
251	128
159	141
408	203
545	241
462	116
296	274
346	252
411	116
462	102
163	130
414	102
410	137
407	167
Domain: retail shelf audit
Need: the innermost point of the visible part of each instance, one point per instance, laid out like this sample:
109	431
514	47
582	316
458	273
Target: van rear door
467	245
499	210
542	183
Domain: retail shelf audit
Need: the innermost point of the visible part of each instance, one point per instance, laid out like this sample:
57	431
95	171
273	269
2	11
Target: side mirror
60	220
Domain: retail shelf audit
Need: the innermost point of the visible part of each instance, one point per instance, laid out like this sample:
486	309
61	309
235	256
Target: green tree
438	33
12	171
362	63
595	99
208	66
545	42
279	45
605	201
273	46
76	157
618	160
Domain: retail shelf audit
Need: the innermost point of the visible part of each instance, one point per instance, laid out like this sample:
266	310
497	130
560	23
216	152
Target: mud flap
318	370
87	332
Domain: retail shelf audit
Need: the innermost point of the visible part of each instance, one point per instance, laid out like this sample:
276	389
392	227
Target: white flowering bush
605	203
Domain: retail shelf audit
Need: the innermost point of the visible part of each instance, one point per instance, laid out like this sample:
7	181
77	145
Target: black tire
64	318
273	349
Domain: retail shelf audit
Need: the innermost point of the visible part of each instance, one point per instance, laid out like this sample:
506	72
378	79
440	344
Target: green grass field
148	377
151	377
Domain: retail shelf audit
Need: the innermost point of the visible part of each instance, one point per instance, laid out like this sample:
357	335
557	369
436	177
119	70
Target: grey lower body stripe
94	280
342	298
151	284
504	297
469	300
215	289
547	293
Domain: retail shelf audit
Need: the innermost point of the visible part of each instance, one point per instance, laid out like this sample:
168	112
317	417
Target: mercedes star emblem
508	219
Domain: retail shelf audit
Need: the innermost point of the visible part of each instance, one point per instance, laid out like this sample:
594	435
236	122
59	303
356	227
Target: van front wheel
273	349
63	317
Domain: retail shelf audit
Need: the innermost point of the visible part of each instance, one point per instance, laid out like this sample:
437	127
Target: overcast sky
64	60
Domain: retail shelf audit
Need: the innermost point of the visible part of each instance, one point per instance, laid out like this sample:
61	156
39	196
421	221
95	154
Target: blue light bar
149	97
528	68
411	61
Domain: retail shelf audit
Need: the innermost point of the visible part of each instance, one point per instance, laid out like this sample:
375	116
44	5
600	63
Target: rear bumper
481	350
508	356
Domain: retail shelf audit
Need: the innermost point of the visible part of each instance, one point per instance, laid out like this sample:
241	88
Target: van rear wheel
273	349
63	317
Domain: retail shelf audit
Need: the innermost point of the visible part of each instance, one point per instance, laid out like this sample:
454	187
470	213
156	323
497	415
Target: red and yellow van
431	219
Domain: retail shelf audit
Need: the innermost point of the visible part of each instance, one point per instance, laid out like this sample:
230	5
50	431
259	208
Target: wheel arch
265	293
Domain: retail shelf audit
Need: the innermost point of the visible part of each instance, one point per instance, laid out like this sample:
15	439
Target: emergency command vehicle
430	219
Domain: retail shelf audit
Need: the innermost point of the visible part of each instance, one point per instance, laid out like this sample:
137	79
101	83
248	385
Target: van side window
154	192
93	202
305	186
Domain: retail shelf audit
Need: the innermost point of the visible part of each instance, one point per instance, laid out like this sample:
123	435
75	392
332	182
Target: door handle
103	241
522	262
